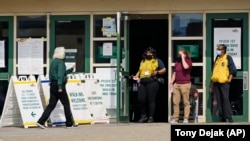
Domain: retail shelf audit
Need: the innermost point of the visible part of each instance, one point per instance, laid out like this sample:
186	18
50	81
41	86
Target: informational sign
70	57
107	82
78	100
192	49
30	56
57	116
29	102
94	96
2	55
109	27
11	115
231	37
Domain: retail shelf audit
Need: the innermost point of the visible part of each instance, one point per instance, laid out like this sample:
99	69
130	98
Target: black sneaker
143	119
230	120
150	119
73	126
223	120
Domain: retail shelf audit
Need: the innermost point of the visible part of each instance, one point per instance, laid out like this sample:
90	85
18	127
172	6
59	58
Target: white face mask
218	52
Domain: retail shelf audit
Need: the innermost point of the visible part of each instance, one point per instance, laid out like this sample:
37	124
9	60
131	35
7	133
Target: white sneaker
185	121
41	126
173	121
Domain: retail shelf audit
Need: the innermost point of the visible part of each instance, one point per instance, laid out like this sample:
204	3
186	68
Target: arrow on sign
33	114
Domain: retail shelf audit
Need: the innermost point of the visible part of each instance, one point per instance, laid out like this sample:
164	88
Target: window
187	25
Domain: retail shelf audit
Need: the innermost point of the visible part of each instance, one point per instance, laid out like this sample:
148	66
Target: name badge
146	73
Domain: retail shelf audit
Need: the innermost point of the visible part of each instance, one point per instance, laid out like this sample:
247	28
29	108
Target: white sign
2	55
109	26
107	49
11	115
30	56
231	37
70	58
29	100
78	101
57	116
94	98
108	84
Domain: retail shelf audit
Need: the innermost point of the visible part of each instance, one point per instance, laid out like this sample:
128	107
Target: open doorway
149	31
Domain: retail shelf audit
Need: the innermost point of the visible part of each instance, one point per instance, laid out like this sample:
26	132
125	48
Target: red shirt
182	75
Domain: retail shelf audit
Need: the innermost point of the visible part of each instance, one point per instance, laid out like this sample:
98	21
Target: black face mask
149	57
178	59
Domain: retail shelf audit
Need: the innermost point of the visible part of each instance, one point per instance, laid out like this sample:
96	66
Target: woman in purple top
180	84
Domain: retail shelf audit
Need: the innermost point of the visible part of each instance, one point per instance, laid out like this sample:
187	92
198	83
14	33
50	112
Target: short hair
59	53
223	46
152	50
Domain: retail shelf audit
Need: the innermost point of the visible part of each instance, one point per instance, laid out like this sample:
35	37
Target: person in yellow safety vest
223	71
147	76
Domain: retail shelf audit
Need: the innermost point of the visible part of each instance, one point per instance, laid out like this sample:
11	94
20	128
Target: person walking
180	84
58	80
150	68
223	71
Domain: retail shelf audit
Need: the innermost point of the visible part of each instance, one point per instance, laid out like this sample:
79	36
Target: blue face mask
218	52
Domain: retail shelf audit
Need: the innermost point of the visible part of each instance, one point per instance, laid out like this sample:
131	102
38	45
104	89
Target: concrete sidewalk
95	132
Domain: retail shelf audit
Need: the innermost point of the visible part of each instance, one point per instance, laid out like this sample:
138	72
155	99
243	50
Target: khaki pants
181	91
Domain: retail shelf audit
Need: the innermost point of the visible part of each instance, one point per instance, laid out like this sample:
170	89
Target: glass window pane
31	26
197	76
109	24
4	36
194	47
104	56
187	25
71	35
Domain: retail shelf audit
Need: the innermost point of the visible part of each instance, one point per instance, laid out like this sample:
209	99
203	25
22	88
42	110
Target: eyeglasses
220	49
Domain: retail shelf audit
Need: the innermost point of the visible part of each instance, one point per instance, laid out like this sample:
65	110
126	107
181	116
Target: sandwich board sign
57	116
28	99
11	115
94	97
77	99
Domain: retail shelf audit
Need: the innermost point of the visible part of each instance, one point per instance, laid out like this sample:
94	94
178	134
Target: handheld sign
57	116
77	98
28	99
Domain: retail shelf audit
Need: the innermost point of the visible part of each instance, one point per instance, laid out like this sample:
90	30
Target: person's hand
59	90
211	89
181	54
171	86
135	77
74	66
155	73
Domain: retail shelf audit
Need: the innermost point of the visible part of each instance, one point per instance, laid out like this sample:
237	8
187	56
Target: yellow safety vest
147	68
220	70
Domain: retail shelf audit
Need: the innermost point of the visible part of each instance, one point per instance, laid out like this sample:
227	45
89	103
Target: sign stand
78	102
23	91
57	116
95	99
11	114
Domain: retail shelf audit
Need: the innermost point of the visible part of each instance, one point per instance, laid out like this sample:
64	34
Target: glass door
72	32
6	56
231	30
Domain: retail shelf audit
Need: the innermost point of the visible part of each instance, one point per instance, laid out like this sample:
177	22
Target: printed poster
231	37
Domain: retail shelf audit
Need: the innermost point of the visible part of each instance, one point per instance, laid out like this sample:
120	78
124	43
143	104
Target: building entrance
148	31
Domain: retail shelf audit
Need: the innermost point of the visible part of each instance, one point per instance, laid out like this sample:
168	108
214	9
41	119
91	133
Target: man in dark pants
58	80
223	71
150	68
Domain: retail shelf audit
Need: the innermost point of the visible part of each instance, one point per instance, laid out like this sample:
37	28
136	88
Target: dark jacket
58	72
